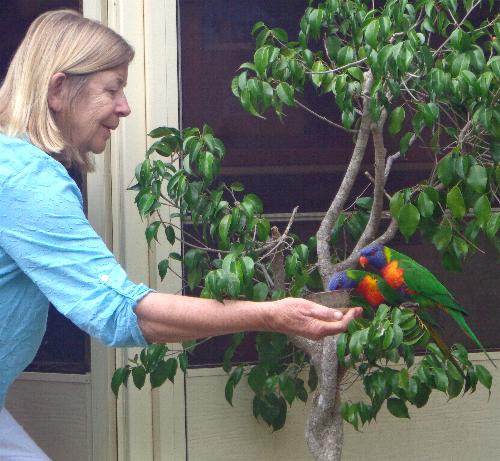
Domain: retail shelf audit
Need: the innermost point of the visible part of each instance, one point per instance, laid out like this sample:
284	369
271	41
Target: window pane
300	162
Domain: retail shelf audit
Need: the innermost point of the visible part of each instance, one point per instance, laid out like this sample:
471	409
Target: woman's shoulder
18	157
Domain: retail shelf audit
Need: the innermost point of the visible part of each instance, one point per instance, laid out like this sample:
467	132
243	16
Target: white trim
55	377
99	197
128	144
162	109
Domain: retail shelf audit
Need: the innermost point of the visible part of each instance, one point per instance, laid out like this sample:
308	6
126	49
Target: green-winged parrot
417	283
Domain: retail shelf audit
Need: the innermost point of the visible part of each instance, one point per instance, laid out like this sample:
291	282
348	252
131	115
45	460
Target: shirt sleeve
44	230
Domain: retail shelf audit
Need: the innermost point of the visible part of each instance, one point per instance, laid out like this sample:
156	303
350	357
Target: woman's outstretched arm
172	318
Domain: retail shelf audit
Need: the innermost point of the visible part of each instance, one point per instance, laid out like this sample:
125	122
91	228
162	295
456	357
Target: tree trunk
324	429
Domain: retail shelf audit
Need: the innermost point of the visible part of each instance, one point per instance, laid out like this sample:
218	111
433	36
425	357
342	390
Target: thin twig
336	125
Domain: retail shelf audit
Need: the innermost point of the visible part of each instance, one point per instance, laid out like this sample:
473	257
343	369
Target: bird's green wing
391	296
424	282
355	274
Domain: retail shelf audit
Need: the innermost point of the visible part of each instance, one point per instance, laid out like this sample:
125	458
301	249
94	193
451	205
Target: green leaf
495	151
286	93
396	120
425	205
404	143
455	202
318	75
170	234
494	64
163	131
440	379
459	40
347	119
260	292
315	20
119	377
224	226
408	220
493	225
183	361
460	62
160	374
477	178
430	112
341	346
396	203
280	34
207	166
175	256
145	204
398	408
442	237
139	376
163	268
484	376
263	229
445	170
482	210
371	33
287	388
228	391
261	60
257	26
356	72
152	231
255	202
345	56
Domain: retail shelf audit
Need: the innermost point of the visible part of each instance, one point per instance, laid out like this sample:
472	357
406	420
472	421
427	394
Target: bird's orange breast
393	275
368	288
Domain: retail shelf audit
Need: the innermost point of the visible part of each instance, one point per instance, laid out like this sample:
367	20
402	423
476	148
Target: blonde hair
57	41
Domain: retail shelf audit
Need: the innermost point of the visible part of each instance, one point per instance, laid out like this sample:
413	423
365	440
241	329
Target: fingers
335	327
329	314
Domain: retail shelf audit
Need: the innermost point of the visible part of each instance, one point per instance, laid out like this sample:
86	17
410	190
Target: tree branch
323	234
336	125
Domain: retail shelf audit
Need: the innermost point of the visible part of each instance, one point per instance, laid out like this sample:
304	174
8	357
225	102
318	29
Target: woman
62	96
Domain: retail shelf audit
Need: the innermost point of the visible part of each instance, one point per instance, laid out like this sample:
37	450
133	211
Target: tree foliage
425	74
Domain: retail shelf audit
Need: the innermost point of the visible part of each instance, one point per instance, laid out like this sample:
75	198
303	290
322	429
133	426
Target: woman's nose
122	108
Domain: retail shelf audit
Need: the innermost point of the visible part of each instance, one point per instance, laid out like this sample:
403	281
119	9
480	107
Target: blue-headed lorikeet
417	283
375	290
371	287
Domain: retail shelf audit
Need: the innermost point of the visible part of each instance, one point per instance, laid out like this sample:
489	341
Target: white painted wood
55	410
161	77
102	364
463	429
128	145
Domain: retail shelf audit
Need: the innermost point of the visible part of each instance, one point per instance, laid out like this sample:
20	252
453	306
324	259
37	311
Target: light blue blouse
49	252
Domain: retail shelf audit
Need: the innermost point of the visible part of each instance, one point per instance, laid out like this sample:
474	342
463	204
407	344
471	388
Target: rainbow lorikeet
375	290
371	287
417	283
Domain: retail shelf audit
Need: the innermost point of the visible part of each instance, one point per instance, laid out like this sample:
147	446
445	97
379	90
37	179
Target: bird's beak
363	260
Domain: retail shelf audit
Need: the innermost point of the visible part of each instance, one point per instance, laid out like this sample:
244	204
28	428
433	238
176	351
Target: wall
463	429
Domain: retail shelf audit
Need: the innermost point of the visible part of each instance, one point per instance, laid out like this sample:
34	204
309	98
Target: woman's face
97	110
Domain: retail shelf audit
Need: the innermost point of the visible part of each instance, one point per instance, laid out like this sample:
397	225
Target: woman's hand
301	317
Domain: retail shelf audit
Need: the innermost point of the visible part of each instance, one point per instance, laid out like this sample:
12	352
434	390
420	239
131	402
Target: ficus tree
422	75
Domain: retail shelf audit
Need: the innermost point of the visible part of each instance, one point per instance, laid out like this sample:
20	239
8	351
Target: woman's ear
55	97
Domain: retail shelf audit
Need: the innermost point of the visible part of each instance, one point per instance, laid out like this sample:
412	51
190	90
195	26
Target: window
301	161
65	348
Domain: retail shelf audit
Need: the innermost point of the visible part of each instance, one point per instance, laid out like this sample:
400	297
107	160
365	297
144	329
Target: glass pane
300	162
